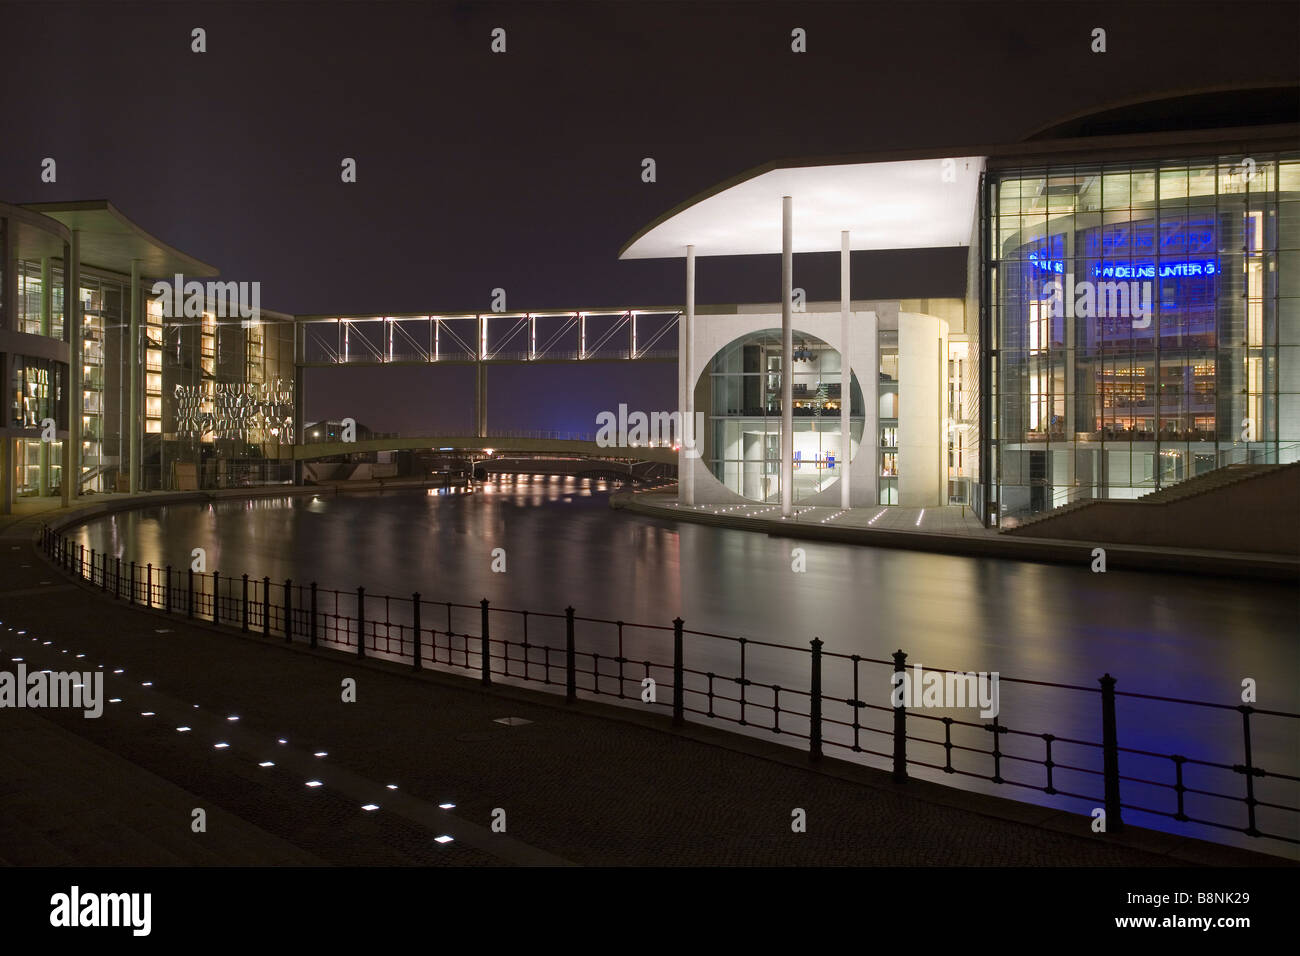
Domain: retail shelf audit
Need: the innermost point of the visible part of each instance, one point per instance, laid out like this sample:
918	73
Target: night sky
478	170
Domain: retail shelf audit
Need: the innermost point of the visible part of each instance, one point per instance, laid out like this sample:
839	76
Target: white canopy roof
906	204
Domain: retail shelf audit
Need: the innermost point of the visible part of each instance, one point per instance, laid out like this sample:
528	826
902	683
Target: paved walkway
952	530
579	784
946	520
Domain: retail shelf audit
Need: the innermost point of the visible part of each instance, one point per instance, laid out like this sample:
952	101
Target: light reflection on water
1160	634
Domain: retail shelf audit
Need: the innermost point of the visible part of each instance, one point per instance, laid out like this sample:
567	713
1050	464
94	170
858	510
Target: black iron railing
630	661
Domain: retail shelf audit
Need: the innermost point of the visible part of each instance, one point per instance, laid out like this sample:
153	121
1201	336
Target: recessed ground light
446	806
320	753
16	658
147	683
80	656
232	718
78	686
442	839
221	746
392	786
283	741
44	643
118	671
146	713
182	730
162	630
512	721
267	763
314	783
371	806
115	700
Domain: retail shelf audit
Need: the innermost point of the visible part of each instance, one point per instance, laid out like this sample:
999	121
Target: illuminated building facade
1186	358
1131	316
87	347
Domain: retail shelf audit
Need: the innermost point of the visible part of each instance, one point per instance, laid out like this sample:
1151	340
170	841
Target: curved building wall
1147	323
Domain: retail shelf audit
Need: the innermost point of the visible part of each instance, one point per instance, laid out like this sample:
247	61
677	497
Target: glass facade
742	392
215	393
220	399
1146	324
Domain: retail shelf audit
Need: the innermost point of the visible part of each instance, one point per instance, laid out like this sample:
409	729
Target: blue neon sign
1133	270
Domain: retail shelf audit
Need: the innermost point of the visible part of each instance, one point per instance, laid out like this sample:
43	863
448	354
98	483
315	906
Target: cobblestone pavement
577	784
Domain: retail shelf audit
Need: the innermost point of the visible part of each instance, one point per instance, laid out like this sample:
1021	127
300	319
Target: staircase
1218	478
1246	507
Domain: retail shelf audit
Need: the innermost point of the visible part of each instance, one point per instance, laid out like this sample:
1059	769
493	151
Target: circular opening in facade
740	392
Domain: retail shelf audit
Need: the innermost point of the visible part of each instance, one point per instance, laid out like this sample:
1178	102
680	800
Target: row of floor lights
877	516
223	745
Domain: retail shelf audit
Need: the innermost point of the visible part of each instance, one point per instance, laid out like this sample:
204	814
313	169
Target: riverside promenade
585	784
950	530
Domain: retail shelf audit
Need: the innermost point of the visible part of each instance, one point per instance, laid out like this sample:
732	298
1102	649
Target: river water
1168	635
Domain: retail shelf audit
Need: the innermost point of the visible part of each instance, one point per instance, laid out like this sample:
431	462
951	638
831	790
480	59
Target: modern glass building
87	348
1131	316
1180	352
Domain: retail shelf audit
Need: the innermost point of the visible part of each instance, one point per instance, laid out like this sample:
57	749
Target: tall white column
692	444
846	374
787	357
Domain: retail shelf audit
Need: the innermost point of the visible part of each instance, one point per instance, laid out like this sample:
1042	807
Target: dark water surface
1179	636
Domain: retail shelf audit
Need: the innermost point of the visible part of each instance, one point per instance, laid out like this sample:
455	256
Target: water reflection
1159	634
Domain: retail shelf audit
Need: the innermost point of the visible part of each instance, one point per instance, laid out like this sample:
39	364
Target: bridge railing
841	706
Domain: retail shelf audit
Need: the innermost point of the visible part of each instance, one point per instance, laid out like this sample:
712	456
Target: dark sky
522	170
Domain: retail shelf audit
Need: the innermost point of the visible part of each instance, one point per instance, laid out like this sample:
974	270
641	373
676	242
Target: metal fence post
216	597
243	614
815	702
570	660
313	614
148	585
1248	769
679	675
1110	754
189	592
288	610
103	572
415	616
486	646
266	606
167	591
92	567
117	577
900	725
81	560
361	622
130	596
